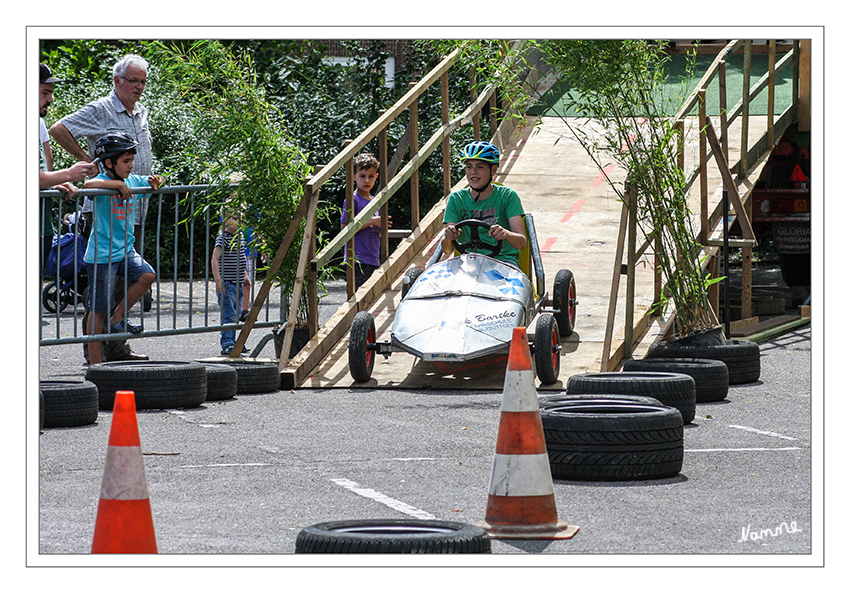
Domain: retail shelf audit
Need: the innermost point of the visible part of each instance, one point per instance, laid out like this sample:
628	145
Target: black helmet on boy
111	146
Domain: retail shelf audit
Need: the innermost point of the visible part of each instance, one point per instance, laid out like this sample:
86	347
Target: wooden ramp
577	220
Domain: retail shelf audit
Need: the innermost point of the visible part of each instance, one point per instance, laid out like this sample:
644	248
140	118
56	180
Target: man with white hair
118	112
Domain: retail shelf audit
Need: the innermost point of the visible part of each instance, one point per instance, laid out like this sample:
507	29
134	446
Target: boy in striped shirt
229	267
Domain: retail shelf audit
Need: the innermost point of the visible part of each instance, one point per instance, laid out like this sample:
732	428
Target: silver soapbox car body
467	307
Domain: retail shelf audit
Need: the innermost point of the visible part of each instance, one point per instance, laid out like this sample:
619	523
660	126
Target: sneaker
125	326
228	349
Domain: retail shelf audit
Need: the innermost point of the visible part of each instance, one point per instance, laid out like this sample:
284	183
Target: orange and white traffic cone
124	524
521	503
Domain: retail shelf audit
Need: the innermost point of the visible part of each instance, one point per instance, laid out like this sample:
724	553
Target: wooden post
724	116
414	148
476	118
444	117
771	89
703	171
313	286
349	209
615	288
804	102
309	229
382	181
745	109
628	335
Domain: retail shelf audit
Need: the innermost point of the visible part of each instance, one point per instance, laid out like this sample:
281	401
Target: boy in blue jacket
111	249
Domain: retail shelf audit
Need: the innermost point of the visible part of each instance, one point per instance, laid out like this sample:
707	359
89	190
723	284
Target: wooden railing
738	180
422	228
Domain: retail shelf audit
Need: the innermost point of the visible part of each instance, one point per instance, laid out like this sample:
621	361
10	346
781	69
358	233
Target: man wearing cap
119	112
62	180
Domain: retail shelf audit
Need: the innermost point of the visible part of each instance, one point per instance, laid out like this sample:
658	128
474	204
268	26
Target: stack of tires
67	403
628	425
157	385
166	385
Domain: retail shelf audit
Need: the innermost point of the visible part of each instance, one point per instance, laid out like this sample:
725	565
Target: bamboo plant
617	87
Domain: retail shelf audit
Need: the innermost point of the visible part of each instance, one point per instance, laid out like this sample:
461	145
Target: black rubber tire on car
676	390
254	376
742	357
612	438
710	376
392	536
564	300
361	353
547	349
411	275
157	385
222	381
69	403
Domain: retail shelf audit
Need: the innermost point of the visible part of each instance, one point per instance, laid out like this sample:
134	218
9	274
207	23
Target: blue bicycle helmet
481	151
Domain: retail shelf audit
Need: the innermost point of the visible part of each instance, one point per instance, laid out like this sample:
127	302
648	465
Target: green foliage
619	85
243	135
286	86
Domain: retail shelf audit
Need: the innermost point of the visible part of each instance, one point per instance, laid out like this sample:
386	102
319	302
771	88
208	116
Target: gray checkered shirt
109	116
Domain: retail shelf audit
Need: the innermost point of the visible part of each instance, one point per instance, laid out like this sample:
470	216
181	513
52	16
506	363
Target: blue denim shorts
102	278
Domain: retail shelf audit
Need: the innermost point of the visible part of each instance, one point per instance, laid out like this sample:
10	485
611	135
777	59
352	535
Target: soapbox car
467	307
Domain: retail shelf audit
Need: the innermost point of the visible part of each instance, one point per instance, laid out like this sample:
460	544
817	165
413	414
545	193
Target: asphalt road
244	476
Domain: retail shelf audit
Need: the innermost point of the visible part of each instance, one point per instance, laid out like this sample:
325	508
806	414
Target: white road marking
229	465
402	507
745	449
764	432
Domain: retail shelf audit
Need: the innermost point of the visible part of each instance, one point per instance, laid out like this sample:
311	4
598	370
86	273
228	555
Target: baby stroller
61	269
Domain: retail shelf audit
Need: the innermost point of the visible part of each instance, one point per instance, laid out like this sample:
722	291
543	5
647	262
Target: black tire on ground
412	274
255	376
392	536
676	390
69	403
710	376
222	381
564	300
547	349
361	357
742	357
157	385
612	438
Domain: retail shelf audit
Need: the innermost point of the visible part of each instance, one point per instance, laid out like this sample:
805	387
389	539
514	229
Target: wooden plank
366	135
306	243
393	186
729	183
338	325
764	325
615	288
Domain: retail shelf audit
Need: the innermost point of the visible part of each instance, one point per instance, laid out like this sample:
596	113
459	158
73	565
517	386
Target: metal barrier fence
181	304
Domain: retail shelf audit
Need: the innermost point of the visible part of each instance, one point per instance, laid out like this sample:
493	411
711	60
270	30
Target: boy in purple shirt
367	242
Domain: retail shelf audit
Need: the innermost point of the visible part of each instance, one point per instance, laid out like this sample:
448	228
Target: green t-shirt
499	207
